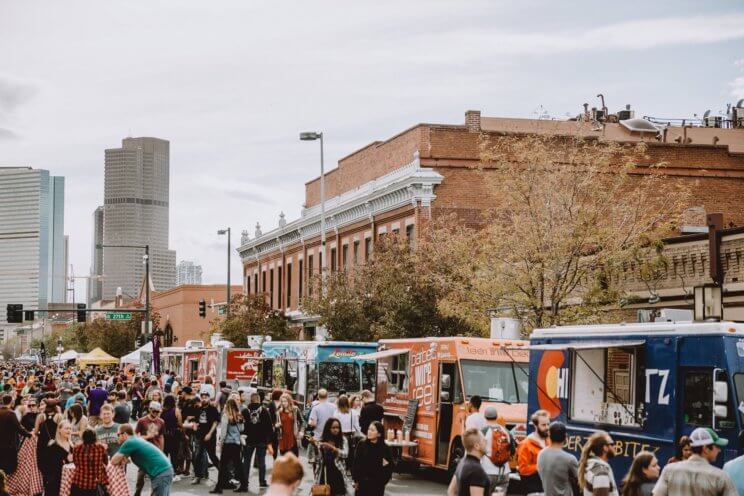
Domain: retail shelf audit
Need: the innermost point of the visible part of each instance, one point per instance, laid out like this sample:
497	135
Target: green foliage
252	315
391	296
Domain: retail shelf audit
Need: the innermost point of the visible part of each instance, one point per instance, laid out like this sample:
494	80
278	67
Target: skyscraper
136	199
188	272
95	284
32	259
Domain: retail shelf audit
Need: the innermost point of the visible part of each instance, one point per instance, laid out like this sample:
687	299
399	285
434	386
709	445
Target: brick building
431	169
179	306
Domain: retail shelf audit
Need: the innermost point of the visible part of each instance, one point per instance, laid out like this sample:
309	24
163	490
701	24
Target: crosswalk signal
14	313
82	315
202	308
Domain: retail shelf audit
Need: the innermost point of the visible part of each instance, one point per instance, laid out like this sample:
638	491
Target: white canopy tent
134	357
65	357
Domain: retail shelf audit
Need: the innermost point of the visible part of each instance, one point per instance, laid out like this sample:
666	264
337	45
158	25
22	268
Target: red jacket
527	452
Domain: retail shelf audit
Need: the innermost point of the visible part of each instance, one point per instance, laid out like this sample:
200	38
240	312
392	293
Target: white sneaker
176	478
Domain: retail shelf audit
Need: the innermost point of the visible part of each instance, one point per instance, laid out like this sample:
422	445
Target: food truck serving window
339	376
604	385
494	381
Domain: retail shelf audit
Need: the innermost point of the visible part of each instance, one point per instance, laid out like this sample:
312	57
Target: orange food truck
424	384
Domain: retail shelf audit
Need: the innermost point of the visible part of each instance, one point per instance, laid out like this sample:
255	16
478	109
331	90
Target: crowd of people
547	469
168	430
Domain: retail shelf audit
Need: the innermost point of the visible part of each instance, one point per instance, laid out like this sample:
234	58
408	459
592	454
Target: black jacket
258	427
370	412
368	470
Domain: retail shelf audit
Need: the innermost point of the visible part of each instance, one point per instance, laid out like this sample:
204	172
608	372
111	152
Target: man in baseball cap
697	476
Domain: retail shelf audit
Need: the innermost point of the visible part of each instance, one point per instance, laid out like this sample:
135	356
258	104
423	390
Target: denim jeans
161	483
201	461
260	450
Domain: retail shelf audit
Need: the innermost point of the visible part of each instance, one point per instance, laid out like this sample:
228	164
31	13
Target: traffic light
15	313
140	341
202	308
82	315
28	316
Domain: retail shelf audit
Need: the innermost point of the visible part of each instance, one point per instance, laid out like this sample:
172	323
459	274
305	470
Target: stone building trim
410	184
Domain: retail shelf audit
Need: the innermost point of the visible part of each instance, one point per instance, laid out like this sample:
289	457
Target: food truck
424	384
236	366
303	367
645	384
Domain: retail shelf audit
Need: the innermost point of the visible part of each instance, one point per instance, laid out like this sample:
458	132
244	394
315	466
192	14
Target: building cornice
407	185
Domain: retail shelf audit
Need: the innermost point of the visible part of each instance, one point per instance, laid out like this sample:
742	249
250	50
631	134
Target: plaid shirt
90	465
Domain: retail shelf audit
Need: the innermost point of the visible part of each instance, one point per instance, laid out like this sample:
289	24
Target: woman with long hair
90	460
373	462
78	422
333	450
172	433
682	451
349	426
593	463
289	423
59	453
642	476
231	427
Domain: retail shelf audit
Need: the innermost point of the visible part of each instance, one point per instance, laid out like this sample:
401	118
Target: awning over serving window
381	354
584	345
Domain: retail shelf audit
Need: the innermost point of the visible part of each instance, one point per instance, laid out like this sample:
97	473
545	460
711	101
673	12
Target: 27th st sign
118	315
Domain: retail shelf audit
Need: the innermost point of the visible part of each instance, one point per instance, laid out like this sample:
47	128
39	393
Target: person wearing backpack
258	432
500	447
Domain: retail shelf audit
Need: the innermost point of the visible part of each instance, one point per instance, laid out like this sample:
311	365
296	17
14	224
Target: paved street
425	483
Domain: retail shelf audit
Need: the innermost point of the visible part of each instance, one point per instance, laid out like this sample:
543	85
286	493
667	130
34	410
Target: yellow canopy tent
96	357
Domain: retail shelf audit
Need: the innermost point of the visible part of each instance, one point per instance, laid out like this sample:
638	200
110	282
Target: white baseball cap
704	436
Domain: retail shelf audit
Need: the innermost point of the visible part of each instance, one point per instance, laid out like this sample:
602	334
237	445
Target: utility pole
220	232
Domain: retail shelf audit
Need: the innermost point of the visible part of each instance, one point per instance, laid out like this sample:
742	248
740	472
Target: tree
388	297
252	315
569	218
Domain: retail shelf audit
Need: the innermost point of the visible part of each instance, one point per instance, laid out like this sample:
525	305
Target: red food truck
236	366
424	384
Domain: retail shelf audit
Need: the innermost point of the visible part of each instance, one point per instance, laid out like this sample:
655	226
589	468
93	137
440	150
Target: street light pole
227	231
147	288
312	136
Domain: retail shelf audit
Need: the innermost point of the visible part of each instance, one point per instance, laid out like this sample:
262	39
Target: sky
232	83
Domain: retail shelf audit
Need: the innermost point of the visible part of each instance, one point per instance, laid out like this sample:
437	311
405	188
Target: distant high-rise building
95	284
188	272
32	258
67	267
136	199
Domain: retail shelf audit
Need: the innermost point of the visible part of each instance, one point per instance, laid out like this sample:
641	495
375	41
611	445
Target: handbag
321	489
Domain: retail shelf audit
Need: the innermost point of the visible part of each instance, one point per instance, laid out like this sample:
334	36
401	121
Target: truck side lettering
663	398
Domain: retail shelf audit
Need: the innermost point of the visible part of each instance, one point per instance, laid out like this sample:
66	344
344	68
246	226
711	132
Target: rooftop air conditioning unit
194	343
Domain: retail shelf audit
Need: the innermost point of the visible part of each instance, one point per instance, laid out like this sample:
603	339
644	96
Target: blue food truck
303	367
646	384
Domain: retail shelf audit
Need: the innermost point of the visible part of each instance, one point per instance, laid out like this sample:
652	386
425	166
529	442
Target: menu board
410	415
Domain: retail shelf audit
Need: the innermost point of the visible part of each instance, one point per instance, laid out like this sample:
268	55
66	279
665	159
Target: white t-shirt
475	420
349	421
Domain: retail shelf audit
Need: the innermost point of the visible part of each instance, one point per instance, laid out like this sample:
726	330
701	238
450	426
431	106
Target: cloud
737	87
7	134
14	93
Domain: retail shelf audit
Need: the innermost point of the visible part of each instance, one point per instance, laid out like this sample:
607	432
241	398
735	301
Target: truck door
445	417
706	402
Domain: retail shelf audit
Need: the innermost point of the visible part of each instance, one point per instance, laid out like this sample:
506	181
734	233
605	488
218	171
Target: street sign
221	311
118	315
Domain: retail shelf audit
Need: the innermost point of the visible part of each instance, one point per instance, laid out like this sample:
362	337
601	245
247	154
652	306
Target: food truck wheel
456	453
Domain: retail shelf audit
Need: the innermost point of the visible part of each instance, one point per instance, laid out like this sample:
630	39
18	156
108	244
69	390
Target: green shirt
109	436
145	455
